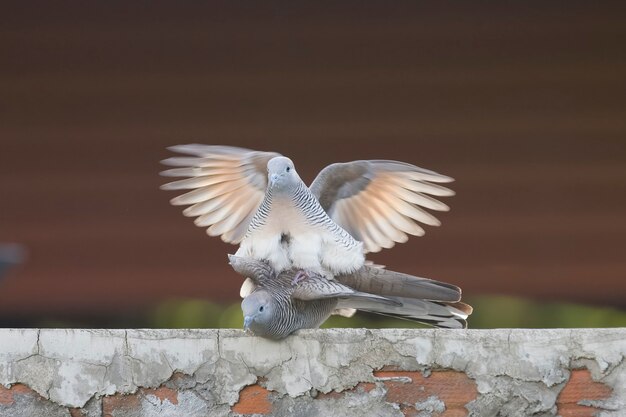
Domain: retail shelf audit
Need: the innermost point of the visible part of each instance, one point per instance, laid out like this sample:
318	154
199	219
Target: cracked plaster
516	371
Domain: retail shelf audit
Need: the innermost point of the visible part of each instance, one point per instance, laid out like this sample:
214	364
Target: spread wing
380	202
228	185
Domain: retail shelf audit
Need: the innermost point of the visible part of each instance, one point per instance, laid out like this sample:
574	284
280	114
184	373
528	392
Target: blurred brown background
525	105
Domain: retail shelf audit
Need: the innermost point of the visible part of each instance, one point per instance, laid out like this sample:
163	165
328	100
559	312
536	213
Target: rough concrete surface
340	372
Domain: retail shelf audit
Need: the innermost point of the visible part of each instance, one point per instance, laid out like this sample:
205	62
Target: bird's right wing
228	185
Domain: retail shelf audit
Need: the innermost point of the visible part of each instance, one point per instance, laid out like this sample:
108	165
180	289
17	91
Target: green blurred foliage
499	311
489	312
177	314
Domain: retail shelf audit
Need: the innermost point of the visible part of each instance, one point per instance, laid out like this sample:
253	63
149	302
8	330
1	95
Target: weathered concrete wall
339	372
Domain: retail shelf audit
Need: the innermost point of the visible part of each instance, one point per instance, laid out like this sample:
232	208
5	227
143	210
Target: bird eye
261	309
288	169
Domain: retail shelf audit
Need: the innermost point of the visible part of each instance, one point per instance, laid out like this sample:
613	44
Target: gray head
281	174
258	313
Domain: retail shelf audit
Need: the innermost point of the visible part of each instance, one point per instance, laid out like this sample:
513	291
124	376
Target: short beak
273	179
247	321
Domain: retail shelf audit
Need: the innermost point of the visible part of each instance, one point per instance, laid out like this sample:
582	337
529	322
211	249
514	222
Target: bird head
281	174
258	313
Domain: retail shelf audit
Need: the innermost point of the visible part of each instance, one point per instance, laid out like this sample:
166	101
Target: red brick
6	394
579	387
253	399
119	402
132	402
163	393
455	389
76	412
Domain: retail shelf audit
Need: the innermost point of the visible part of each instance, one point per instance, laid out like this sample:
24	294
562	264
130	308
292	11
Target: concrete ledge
338	372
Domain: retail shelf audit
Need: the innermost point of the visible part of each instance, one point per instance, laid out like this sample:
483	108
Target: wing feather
354	224
203	181
381	202
421	187
319	288
223	210
207	193
374	226
215	192
227	186
385	223
411	211
239	211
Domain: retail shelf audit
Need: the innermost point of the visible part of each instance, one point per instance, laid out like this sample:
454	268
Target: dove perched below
278	306
258	200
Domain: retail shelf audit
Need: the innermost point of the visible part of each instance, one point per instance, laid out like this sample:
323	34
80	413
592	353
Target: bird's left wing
228	185
379	202
316	288
390	283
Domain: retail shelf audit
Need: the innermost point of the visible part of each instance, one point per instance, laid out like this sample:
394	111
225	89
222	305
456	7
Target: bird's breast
284	238
285	218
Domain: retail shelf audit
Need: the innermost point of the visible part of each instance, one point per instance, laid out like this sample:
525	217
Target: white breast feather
308	247
341	259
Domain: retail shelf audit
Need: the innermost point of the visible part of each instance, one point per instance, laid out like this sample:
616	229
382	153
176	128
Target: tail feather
465	308
438	314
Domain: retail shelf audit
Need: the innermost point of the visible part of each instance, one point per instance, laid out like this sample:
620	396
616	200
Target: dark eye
261	309
288	169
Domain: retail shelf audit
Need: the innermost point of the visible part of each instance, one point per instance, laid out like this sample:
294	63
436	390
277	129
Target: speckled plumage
292	229
277	306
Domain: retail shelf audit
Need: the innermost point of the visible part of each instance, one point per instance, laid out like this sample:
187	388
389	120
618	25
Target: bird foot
300	276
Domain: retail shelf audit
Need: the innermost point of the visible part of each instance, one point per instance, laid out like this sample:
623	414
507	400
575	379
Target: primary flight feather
257	199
